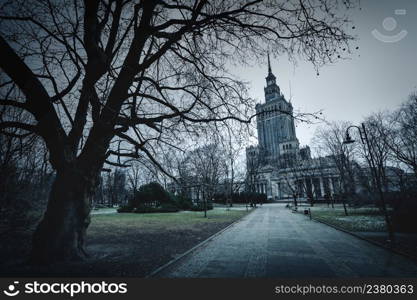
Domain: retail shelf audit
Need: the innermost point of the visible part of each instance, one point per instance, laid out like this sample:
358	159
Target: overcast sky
379	76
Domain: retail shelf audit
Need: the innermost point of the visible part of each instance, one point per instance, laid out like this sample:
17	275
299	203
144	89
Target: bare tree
376	154
120	79
300	175
232	145
329	140
206	165
292	185
118	187
377	149
399	133
292	169
134	177
24	170
254	163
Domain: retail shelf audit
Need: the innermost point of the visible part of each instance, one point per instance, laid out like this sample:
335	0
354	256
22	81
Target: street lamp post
205	194
344	169
375	173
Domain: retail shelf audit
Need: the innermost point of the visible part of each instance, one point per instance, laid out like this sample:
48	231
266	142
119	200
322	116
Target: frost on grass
364	223
365	219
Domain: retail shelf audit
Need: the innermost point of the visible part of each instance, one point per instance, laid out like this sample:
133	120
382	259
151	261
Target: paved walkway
275	243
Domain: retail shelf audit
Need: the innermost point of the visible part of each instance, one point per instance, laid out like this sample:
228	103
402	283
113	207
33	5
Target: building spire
269	65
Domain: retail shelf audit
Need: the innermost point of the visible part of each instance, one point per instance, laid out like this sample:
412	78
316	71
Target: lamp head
348	139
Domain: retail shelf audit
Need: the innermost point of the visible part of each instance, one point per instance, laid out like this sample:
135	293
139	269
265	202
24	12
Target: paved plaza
273	242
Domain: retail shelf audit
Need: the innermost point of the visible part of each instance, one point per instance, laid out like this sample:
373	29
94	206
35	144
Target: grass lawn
160	221
123	244
358	219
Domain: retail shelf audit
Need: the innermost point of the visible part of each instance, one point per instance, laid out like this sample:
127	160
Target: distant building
187	187
193	190
277	166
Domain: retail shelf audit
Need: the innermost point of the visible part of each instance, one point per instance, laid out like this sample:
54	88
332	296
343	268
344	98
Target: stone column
313	188
306	188
275	192
279	190
321	186
331	186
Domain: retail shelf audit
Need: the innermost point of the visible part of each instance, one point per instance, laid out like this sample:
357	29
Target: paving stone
297	267
275	243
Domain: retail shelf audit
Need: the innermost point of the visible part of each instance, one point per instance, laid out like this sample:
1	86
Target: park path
273	242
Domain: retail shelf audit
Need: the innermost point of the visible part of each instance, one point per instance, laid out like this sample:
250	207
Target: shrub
165	208
243	197
183	202
171	207
151	194
220	198
145	209
125	209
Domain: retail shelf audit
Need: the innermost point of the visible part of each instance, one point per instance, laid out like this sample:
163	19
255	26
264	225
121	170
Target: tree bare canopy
329	141
121	78
399	133
139	71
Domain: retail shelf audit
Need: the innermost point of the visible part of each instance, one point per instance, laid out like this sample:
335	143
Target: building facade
278	166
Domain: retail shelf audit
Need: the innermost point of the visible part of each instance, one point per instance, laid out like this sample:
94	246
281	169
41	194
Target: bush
171	207
161	209
183	202
149	198
243	197
359	199
220	198
125	209
151	194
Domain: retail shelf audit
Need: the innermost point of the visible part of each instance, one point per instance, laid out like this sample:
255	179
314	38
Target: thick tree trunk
61	234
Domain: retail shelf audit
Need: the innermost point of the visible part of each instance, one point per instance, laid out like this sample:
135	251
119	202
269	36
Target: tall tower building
275	122
277	167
